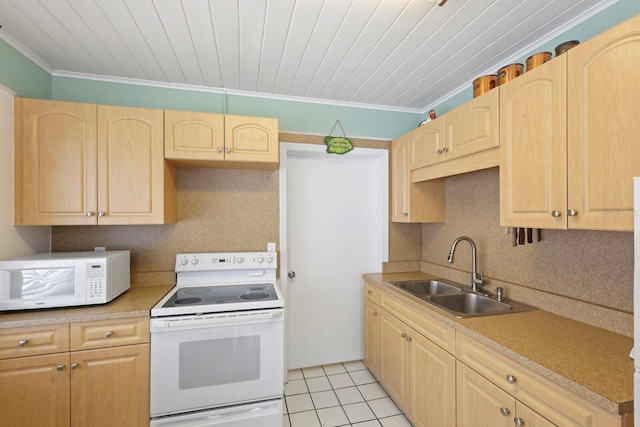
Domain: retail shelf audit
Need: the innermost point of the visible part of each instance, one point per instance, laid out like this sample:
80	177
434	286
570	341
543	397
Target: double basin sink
456	299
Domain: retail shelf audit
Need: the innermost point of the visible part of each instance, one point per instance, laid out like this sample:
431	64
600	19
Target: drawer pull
511	379
22	343
59	367
505	411
108	334
519	422
74	365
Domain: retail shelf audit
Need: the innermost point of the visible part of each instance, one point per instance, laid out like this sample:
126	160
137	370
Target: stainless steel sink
457	300
470	304
427	287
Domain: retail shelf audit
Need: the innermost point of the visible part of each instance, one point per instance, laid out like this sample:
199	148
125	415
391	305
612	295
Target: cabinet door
34	391
413	202
131	167
253	140
472	127
55	162
372	337
530	417
395	367
433	384
533	148
110	387
480	403
400	180
603	128
193	136
426	143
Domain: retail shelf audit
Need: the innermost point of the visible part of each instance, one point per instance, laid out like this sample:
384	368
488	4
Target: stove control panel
226	261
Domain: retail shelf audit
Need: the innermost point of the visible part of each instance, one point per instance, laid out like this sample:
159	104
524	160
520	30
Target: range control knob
184	261
194	261
240	260
270	260
260	260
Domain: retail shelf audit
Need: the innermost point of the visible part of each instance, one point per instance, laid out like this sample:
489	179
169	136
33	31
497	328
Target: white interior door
334	212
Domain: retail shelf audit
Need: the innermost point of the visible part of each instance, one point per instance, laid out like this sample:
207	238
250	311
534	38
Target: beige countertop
136	302
590	361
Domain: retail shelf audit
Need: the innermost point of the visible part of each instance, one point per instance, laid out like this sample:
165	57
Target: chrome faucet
476	276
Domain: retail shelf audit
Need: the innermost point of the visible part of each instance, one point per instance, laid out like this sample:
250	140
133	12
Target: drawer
33	341
372	292
109	333
558	405
441	334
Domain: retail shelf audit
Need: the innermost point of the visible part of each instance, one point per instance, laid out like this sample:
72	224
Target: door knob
291	275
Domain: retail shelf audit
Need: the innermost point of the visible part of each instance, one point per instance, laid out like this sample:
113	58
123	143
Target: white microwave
63	279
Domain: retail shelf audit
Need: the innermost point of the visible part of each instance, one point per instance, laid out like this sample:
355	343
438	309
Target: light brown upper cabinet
413	202
81	164
462	140
533	147
590	127
222	141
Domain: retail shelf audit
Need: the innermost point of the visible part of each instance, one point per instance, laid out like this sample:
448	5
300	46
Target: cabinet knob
555	214
445	149
108	334
369	291
572	212
59	367
74	365
219	149
511	379
519	422
405	213
408	339
22	343
228	149
439	151
100	214
505	411
403	335
89	214
375	313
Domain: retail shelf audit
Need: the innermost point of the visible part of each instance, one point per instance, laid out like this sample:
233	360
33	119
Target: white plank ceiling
394	54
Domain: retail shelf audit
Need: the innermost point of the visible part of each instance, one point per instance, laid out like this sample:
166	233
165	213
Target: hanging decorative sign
338	144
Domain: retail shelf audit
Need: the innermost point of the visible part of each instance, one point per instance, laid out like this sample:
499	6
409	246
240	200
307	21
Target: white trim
235	92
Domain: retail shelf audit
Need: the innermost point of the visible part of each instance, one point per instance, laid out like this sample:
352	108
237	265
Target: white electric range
217	343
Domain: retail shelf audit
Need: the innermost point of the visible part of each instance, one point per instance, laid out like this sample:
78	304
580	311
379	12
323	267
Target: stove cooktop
212	295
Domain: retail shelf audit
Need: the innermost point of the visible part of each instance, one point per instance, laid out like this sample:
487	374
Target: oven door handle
206	321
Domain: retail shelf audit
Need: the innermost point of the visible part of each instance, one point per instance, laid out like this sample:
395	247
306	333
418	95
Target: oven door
213	360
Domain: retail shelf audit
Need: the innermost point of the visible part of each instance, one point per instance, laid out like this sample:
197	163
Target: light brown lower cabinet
441	377
480	403
490	384
106	386
418	374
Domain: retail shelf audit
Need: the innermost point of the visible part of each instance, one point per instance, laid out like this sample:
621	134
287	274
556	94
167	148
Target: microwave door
25	287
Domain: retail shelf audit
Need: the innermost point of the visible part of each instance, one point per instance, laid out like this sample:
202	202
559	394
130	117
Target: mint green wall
22	75
611	16
293	116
